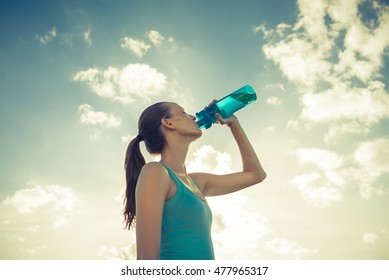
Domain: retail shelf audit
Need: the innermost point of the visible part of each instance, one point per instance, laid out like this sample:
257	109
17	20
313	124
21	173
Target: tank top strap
172	175
180	185
198	187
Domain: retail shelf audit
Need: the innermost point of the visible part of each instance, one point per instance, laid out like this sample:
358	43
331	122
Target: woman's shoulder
153	176
153	167
154	170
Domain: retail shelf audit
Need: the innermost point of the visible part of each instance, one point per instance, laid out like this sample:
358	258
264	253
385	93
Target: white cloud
89	116
207	159
114	253
319	188
293	124
48	37
277	86
132	82
334	56
141	80
335	178
269	129
95	135
127	139
323	159
336	129
343	13
313	192
232	219
137	47
155	37
273	100
110	253
61	221
40	210
373	156
364	47
267	33
363	168
369	238
119	253
366	105
372	159
87	38
311	15
299	60
53	196
288	249
101	82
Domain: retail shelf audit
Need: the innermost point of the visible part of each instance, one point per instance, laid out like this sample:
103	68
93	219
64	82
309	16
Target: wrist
234	122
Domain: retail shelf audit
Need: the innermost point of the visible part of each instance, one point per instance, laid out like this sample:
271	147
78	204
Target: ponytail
150	132
133	164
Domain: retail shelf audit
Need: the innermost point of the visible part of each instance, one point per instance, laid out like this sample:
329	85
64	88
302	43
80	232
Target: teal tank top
186	225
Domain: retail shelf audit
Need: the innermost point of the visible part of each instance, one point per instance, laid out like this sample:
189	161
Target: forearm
249	157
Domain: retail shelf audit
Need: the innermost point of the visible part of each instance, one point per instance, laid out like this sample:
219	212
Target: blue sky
75	75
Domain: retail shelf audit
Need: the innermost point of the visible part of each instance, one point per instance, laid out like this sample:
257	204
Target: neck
174	156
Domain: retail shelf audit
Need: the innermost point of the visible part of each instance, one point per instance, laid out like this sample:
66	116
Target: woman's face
183	122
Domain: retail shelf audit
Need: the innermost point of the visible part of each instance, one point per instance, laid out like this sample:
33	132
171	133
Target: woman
173	219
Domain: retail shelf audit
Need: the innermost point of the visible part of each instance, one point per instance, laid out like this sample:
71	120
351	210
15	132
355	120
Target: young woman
173	219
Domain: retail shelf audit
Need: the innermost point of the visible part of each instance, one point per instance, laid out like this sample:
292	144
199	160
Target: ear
167	123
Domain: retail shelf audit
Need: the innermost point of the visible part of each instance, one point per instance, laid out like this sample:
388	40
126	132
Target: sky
75	76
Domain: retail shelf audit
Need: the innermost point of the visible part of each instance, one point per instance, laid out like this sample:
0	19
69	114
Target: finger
212	102
219	118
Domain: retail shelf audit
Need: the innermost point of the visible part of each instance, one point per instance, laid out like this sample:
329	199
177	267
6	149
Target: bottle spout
203	120
202	124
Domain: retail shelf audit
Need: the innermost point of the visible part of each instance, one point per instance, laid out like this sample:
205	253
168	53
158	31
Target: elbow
260	176
255	177
264	175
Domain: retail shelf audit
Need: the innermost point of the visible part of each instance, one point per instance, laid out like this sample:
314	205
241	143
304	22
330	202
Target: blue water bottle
226	106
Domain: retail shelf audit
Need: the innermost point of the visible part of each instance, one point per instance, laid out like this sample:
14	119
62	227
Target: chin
198	133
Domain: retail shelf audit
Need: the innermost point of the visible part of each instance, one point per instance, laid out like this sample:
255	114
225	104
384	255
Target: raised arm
252	171
151	193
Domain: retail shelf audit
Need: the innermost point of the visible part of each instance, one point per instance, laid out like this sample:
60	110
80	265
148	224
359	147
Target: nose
192	117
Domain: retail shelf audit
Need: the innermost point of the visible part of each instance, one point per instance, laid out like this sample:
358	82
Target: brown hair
149	130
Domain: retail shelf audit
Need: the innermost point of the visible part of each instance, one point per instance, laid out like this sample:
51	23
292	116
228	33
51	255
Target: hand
227	121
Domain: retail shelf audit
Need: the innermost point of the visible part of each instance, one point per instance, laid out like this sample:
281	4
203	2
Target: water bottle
226	106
